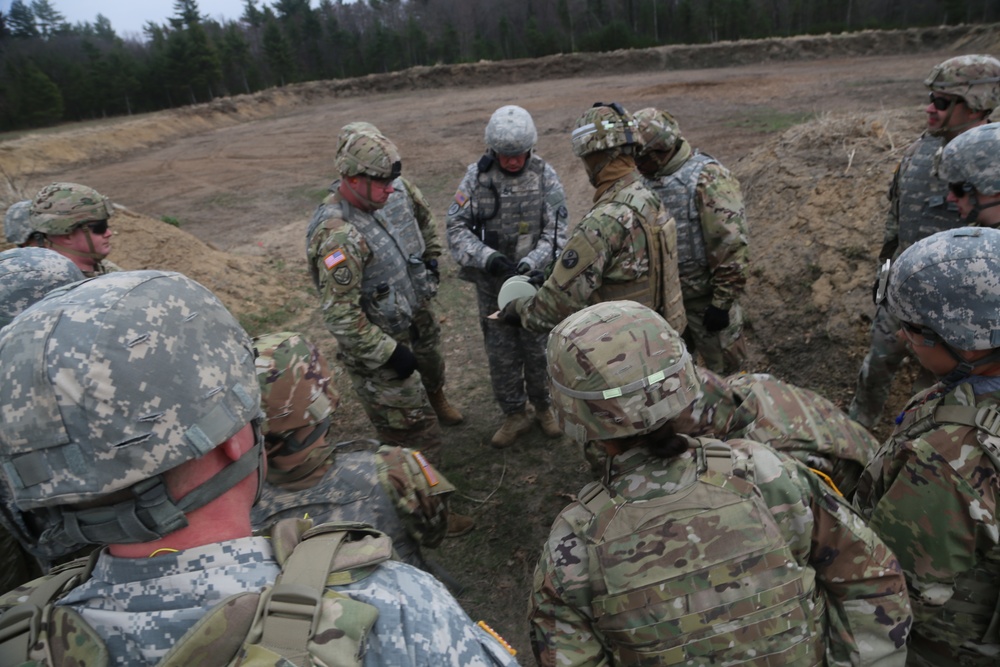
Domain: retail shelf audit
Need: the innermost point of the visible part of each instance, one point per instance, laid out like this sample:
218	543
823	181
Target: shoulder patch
461	198
454	208
334	258
343	275
570	258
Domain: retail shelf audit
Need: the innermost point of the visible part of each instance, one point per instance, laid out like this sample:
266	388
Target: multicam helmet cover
27	275
949	283
354	128
511	131
367	153
972	157
657	130
60	208
974	78
603	127
617	369
17	222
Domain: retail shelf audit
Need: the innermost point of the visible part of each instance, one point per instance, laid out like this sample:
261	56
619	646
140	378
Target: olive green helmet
368	153
603	127
511	131
974	78
60	208
617	369
657	130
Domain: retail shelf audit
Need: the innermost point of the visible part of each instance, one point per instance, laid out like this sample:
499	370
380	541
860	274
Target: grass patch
769	120
170	220
268	320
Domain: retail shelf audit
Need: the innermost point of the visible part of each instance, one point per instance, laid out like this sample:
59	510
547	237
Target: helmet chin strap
365	200
955	129
92	255
977	208
965	368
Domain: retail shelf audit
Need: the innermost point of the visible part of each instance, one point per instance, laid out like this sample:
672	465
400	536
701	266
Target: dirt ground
812	141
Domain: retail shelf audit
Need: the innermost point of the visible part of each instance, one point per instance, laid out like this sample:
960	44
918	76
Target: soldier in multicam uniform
712	249
509	217
376	271
963	92
74	222
691	550
143	434
624	248
392	488
932	491
970	165
17	226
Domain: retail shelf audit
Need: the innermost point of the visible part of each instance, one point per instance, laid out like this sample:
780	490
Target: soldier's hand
433	269
715	319
509	314
500	266
402	361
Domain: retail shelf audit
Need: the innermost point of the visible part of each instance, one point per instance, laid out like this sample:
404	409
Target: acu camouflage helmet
17	222
949	283
603	127
27	275
974	78
617	369
60	208
973	157
298	398
511	131
107	384
367	153
657	130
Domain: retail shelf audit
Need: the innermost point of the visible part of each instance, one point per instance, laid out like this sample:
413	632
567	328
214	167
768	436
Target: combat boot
459	524
516	424
446	414
547	420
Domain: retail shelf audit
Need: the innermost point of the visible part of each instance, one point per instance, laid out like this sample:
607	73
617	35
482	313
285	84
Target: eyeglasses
940	102
99	227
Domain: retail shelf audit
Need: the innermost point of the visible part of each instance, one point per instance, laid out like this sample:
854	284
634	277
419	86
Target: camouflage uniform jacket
917	199
712	247
791	419
931	493
520	215
867	613
102	267
391	488
607	257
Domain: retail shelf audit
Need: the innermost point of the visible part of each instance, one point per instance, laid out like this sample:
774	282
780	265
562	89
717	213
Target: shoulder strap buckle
19	629
988	419
291	613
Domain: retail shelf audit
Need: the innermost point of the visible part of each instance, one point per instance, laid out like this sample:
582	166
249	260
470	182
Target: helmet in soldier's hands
368	153
972	157
511	131
17	222
974	78
603	127
657	130
60	208
27	275
617	369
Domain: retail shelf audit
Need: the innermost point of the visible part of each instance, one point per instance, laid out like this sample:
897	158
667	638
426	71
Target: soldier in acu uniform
694	551
963	92
932	491
74	221
970	165
712	249
17	226
509	217
133	422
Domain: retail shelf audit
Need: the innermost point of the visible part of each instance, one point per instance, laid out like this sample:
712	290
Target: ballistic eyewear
960	189
942	103
99	227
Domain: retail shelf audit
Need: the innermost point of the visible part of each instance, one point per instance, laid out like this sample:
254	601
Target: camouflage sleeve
890	236
425	220
338	253
559	611
466	248
554	214
723	221
419	492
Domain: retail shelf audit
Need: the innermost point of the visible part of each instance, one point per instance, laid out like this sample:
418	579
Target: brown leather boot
516	424
547	420
446	414
459	524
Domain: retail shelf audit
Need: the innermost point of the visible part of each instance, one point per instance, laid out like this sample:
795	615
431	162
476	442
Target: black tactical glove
499	266
509	314
433	269
535	277
715	319
402	361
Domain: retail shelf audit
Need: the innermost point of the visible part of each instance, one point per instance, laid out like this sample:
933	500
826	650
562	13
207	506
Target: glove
433	269
499	266
509	314
523	268
715	319
536	277
402	361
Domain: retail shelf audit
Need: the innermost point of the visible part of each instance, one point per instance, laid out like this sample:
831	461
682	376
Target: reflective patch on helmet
343	275
570	259
461	198
334	258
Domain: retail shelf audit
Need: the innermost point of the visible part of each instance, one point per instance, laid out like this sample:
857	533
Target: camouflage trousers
425	342
516	357
722	352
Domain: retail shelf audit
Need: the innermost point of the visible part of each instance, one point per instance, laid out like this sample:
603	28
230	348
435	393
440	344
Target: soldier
931	492
143	434
624	248
17	226
392	488
693	550
509	217
376	274
74	221
713	257
963	92
970	165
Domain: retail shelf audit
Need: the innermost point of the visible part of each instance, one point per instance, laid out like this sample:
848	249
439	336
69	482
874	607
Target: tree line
52	71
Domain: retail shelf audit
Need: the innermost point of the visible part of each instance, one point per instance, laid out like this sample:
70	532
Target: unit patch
343	275
570	258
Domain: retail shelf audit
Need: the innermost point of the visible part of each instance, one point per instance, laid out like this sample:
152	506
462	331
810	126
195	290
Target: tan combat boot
446	414
516	424
547	420
459	524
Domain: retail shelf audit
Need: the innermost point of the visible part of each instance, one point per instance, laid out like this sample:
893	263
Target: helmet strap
365	200
973	217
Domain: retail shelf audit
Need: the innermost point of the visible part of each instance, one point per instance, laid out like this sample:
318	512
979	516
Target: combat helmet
971	158
298	398
604	127
511	131
617	369
17	223
27	275
368	153
108	384
657	130
354	128
60	208
974	78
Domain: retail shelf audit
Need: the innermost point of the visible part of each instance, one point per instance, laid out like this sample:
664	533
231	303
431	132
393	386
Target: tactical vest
289	622
662	597
923	209
507	209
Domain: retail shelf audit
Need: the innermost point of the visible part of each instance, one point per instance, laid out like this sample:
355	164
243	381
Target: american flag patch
333	259
461	198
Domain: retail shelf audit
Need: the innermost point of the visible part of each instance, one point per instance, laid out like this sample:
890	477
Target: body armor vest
923	209
507	209
662	598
